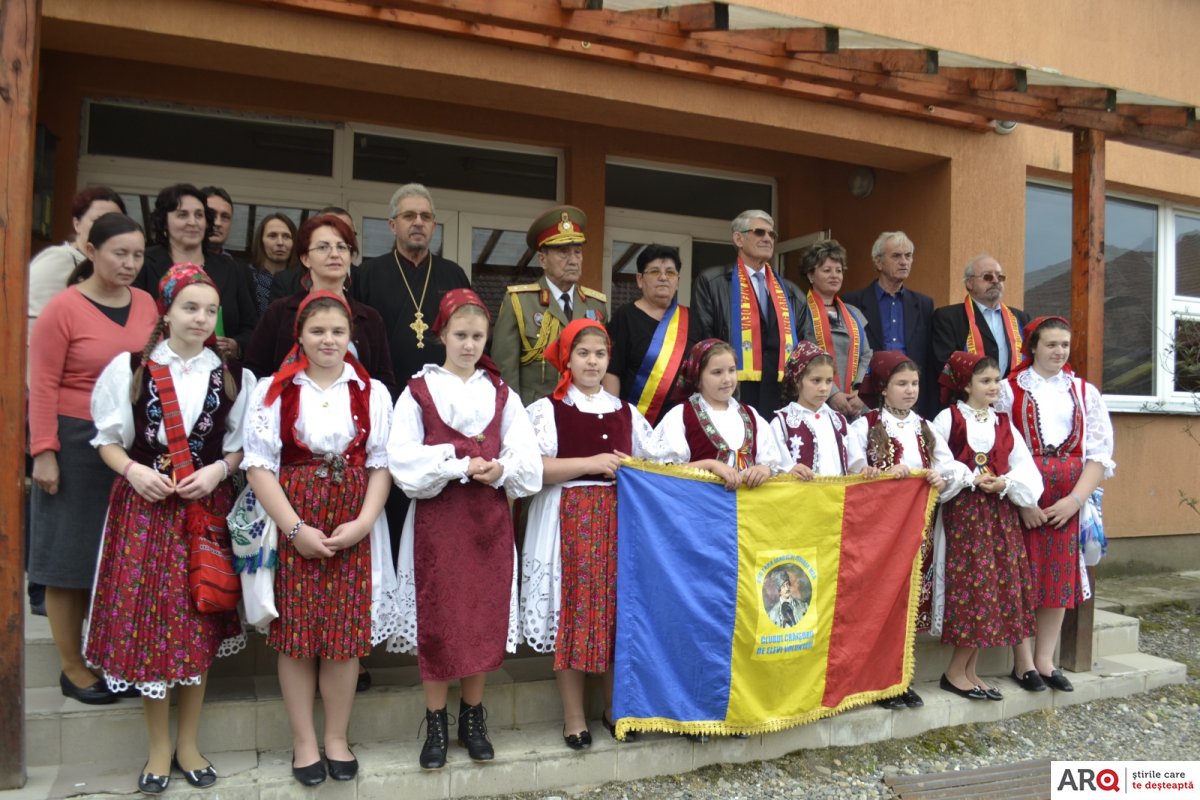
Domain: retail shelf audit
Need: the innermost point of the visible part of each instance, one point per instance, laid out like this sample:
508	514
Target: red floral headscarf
1027	344
957	374
688	382
558	354
296	361
178	278
879	372
452	301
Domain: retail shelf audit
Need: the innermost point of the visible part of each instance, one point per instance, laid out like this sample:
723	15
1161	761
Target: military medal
418	324
981	459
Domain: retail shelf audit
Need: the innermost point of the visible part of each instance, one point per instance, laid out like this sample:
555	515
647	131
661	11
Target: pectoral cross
419	327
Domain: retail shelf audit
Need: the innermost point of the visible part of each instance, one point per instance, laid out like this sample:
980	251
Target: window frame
1169	309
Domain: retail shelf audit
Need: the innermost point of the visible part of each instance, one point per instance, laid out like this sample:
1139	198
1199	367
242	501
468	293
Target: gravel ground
1160	725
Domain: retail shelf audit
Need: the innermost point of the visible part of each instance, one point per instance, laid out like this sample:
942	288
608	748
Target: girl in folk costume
712	430
1066	425
169	422
892	439
316	458
811	436
569	562
460	444
982	594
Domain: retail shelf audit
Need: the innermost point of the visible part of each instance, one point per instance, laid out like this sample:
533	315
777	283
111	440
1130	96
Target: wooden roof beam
999	80
1097	98
811	40
1167	116
694	18
921	62
582	5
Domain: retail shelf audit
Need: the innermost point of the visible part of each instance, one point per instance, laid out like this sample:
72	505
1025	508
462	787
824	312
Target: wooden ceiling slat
1008	80
702	17
1170	116
922	62
811	40
1097	98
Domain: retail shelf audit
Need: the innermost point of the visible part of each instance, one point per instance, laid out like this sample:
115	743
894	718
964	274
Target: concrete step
1113	634
532	757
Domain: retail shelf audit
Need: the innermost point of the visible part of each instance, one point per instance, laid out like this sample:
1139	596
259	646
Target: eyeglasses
655	272
992	277
413	216
323	248
761	232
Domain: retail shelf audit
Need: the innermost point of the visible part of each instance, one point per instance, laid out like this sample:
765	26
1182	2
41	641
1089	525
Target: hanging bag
212	581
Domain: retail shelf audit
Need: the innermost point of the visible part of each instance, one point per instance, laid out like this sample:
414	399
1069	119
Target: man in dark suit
754	237
981	321
899	318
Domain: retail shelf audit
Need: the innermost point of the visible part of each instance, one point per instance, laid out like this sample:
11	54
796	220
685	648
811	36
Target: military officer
532	314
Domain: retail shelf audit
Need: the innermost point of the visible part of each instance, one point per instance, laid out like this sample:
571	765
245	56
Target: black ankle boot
472	732
437	739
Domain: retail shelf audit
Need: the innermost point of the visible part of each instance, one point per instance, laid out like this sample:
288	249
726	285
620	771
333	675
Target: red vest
581	435
296	452
1025	417
997	457
702	447
874	417
802	441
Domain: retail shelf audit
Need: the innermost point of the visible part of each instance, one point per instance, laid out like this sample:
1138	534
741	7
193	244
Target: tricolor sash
655	377
1011	326
824	335
745	319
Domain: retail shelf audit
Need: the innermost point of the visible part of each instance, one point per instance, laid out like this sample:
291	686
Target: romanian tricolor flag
761	609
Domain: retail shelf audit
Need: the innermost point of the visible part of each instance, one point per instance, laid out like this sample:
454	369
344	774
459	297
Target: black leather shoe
200	778
311	775
364	682
1031	681
472	732
437	739
1056	680
912	699
630	736
992	694
149	783
892	703
578	741
342	770
95	695
974	693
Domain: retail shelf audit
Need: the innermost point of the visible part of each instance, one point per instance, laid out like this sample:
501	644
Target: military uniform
530	319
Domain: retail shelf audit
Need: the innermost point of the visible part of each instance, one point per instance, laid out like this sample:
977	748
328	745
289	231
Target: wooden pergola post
18	100
1087	330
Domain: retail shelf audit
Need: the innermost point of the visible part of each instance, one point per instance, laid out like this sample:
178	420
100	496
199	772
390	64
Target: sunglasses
992	277
761	232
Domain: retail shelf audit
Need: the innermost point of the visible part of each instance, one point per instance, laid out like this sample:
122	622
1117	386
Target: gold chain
418	324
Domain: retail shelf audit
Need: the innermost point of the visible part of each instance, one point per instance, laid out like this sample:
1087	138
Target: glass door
621	249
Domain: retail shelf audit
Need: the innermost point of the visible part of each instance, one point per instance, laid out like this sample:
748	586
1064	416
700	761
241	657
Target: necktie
760	289
566	304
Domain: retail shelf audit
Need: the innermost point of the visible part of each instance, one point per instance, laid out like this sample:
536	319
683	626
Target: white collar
601	399
438	369
733	405
348	374
969	413
206	359
556	291
1029	379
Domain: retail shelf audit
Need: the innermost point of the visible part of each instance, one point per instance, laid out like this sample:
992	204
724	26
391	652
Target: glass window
1186	353
1131	269
499	259
679	193
624	273
137	132
1187	255
454	166
376	238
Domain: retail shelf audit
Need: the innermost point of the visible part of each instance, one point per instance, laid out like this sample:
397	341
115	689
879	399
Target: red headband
452	301
1027	347
879	372
957	374
558	354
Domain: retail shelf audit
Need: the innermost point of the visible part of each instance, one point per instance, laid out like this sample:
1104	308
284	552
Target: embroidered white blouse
827	459
671	437
422	470
1056	408
1024	479
905	431
324	422
112	410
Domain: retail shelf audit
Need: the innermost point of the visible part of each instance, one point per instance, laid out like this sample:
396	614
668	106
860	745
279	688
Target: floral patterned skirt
588	620
1054	552
144	629
989	596
324	603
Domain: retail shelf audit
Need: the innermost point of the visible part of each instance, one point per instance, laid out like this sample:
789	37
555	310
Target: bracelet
1076	499
128	466
291	536
225	465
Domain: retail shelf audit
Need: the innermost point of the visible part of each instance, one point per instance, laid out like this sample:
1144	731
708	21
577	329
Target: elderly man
532	314
771	311
981	323
899	318
406	284
651	336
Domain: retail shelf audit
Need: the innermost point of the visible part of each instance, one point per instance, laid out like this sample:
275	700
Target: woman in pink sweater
77	334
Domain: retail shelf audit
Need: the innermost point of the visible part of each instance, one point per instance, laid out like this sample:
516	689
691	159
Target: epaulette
524	287
592	293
